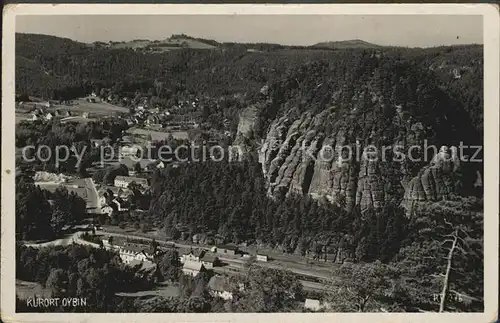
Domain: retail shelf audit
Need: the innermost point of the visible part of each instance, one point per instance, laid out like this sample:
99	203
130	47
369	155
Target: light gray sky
409	30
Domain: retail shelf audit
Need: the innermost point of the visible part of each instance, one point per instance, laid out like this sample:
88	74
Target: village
226	262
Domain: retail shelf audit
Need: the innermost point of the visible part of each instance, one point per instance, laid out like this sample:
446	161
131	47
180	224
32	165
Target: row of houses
194	262
47	116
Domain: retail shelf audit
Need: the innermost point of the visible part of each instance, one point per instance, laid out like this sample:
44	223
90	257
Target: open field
100	108
25	290
77	108
22	116
83	187
162	290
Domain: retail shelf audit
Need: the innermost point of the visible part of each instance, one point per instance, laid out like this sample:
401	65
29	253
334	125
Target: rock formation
348	167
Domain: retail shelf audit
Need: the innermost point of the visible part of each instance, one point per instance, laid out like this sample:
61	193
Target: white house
193	255
124	181
129	151
107	209
262	258
46	104
219	287
131	253
192	268
49	116
34	117
312	304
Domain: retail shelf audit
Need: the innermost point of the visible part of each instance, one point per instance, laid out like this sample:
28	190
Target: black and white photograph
197	161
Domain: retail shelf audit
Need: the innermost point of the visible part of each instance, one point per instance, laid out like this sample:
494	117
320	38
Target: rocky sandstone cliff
345	162
243	144
434	182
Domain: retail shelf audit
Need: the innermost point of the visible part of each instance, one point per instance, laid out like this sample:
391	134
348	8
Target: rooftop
192	265
227	247
312	304
219	284
209	257
130	179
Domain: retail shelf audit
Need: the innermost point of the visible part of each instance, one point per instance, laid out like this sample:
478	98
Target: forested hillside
53	67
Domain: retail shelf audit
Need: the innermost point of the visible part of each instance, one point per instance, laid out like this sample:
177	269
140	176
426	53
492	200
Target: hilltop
354	43
172	43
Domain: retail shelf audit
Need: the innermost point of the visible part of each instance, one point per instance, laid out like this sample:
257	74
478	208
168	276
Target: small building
124	181
209	260
219	286
34	117
107	210
85	115
312	304
192	268
193	255
46	104
49	116
130	253
96	142
129	151
262	258
226	249
155	126
157	164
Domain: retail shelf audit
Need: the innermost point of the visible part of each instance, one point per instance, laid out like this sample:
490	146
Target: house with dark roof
226	249
219	286
209	260
192	255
